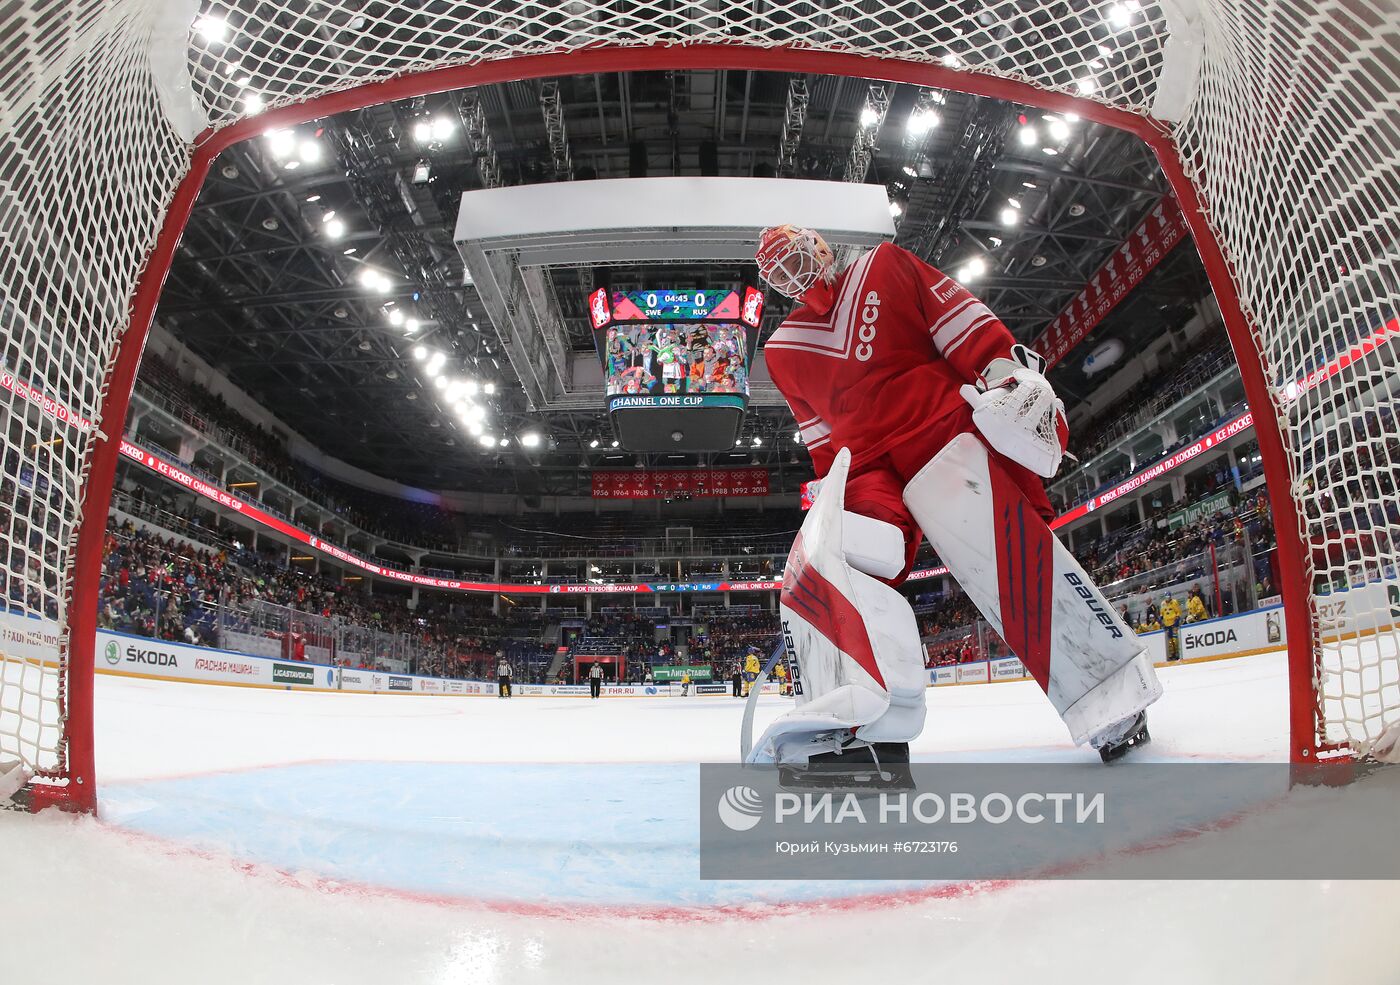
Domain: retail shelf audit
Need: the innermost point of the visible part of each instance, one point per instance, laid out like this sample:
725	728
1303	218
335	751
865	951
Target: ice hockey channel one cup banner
1090	821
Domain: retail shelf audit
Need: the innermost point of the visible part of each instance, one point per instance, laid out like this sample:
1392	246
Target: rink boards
125	655
133	656
1243	635
1360	611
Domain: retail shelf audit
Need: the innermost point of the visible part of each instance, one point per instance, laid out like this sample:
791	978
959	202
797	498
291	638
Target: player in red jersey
924	418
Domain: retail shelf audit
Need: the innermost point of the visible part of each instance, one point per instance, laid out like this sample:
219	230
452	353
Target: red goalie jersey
879	374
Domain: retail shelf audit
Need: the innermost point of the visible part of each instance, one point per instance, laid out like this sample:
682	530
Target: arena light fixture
472	387
292	165
1119	15
410	325
422	131
314	198
421	172
487	441
920	123
442	128
420	352
593	443
1059	130
309	151
336	229
490	388
530	439
951	60
503	442
614	444
869	117
212	29
1027	136
1010	216
281	143
895	210
395	316
757	442
1086	85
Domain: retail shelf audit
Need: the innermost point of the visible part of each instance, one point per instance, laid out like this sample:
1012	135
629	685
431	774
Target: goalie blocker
857	658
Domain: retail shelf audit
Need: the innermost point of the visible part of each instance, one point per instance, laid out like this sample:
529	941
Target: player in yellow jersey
752	668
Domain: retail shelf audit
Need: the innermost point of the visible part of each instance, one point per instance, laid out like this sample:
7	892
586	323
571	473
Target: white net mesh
1289	134
1294	137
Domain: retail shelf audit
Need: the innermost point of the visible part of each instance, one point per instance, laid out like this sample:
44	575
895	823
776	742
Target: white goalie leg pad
1031	589
858	666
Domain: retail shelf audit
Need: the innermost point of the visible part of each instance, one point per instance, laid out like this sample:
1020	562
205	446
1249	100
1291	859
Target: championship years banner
1129	265
670	483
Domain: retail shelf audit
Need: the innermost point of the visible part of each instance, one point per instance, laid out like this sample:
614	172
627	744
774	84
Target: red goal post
1274	122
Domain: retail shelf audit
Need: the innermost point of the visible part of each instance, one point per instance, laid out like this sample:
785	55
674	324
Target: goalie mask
798	263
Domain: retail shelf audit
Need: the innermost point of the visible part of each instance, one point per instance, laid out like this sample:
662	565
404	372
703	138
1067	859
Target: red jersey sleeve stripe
971	331
950	329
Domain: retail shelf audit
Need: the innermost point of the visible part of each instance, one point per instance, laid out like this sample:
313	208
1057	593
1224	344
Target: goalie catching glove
1015	408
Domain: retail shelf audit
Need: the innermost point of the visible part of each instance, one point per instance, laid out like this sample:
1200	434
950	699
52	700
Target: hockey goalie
923	418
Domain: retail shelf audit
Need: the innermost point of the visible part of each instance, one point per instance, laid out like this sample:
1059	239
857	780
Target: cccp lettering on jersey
869	315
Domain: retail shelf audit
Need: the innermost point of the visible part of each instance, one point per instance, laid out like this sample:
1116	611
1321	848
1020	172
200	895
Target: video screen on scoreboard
680	358
676	363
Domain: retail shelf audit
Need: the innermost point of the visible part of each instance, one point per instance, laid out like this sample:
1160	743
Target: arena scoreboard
676	364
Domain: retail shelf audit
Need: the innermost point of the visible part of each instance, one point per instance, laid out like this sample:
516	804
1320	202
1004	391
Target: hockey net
1275	119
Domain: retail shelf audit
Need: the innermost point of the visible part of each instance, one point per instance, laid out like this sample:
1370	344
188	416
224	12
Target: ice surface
252	836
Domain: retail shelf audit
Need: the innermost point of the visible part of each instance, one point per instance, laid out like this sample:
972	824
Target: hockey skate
1118	739
853	766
